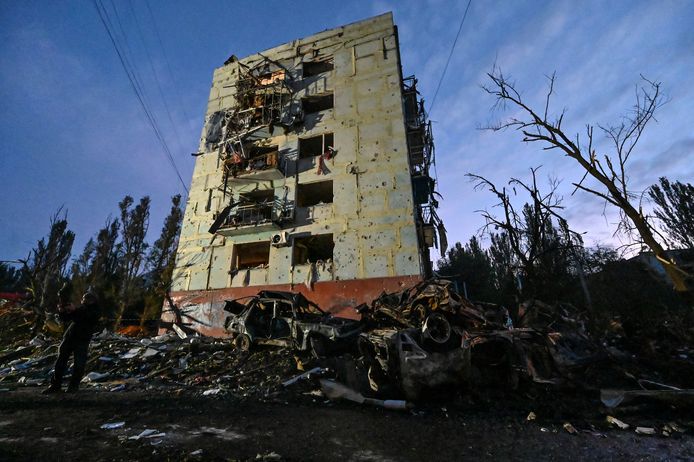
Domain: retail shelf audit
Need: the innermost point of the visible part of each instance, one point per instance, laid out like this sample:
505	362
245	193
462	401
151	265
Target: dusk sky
73	134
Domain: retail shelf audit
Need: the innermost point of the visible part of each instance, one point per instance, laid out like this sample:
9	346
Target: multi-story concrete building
312	175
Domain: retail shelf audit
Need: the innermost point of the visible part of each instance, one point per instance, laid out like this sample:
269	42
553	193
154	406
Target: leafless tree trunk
608	169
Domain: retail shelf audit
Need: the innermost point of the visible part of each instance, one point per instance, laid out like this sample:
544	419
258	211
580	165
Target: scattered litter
570	428
334	390
531	416
149	352
95	377
219	433
211	392
144	434
197	452
112	425
268	457
120	387
182	335
307	374
615	421
672	427
131	353
645	430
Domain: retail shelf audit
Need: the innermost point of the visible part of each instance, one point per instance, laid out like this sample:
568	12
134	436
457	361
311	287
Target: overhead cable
134	82
443	74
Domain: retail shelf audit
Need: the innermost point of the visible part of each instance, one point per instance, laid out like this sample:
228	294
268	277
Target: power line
168	66
449	57
132	77
156	76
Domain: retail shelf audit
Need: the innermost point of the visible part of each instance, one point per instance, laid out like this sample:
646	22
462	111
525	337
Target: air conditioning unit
280	239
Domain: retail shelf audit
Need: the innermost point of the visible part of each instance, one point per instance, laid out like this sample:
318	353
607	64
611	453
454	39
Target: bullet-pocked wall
335	192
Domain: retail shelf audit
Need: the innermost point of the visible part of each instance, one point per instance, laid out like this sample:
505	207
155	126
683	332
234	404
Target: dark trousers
79	348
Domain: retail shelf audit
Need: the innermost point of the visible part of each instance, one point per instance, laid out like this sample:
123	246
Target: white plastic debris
197	452
95	377
212	391
293	380
645	430
131	353
112	425
144	434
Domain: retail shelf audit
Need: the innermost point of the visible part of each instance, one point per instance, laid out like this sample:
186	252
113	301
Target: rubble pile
119	363
425	341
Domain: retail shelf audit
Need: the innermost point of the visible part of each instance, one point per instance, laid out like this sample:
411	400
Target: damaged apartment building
312	176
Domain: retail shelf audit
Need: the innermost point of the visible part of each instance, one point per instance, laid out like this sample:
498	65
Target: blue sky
72	133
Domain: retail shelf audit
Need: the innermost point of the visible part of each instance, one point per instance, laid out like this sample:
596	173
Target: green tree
160	261
471	267
675	209
97	268
10	278
134	225
44	268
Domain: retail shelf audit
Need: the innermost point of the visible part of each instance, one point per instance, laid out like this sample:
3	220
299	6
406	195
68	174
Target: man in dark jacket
81	321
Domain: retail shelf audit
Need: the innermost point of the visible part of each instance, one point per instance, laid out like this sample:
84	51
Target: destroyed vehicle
397	362
434	307
288	319
428	336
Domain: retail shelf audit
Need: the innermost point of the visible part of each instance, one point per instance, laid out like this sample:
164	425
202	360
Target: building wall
371	217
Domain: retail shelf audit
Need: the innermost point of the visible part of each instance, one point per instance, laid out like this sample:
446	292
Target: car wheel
437	328
242	342
319	349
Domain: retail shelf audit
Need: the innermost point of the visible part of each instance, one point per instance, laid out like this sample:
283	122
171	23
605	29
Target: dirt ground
67	427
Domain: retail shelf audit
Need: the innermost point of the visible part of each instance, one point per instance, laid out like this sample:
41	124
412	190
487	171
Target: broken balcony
261	164
253	217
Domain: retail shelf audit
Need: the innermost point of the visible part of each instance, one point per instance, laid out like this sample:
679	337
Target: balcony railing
258	215
271	164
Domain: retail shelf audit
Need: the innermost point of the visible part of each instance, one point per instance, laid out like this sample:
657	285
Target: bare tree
608	169
537	250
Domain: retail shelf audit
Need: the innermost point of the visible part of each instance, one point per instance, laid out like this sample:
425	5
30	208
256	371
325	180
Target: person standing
81	322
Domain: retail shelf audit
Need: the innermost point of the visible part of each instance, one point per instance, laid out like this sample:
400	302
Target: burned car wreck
288	319
428	337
